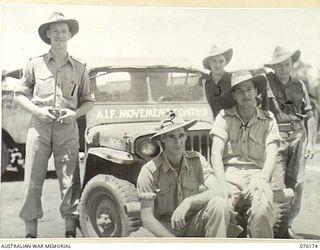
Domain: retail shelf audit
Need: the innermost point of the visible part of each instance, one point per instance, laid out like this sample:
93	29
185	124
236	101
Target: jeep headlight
148	148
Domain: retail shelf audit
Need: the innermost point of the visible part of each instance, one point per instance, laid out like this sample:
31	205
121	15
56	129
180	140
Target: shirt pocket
256	145
44	85
190	188
70	86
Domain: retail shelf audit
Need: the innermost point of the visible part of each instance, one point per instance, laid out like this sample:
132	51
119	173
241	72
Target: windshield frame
96	72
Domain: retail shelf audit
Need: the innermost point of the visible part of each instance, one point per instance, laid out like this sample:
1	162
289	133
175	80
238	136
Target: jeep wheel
102	207
4	157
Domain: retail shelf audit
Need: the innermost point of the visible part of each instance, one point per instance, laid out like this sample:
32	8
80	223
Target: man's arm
197	201
270	162
147	187
42	113
216	160
311	132
310	123
149	221
194	202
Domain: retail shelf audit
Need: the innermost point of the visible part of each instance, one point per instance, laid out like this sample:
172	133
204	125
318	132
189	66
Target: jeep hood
117	134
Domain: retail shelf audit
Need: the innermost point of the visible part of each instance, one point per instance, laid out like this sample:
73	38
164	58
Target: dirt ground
52	226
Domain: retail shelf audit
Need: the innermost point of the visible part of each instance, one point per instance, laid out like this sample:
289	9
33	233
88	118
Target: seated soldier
244	149
175	177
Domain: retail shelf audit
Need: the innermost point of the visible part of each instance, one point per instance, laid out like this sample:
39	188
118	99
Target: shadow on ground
18	176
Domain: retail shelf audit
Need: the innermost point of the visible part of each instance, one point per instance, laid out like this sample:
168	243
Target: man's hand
178	219
256	187
66	116
44	115
310	151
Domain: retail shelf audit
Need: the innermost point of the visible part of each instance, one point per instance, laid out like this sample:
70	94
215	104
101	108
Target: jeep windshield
147	84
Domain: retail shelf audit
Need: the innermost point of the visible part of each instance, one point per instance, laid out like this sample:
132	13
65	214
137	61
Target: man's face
217	64
245	94
59	34
283	70
174	141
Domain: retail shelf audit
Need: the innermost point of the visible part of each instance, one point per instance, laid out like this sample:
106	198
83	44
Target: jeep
130	102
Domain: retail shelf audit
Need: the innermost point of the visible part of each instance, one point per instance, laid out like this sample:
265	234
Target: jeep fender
110	155
113	155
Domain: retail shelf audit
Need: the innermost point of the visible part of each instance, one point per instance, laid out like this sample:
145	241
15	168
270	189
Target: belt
292	126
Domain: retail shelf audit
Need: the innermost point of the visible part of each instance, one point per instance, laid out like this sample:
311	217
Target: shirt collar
278	80
162	161
49	56
226	77
258	114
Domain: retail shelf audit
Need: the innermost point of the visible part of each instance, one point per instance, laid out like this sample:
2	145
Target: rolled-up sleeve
273	135
27	82
85	93
220	127
206	167
145	182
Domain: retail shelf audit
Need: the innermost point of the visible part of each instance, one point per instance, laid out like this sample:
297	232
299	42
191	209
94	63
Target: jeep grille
199	141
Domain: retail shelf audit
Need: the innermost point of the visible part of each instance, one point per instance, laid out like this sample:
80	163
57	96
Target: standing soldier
59	89
289	101
218	80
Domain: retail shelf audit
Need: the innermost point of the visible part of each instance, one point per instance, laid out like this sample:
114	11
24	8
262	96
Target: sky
177	35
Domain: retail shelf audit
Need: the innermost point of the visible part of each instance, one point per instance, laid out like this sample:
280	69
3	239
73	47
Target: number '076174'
308	246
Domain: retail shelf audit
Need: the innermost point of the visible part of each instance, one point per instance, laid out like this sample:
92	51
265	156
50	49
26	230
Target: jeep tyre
102	212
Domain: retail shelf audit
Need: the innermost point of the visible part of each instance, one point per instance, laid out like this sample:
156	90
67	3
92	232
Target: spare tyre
102	207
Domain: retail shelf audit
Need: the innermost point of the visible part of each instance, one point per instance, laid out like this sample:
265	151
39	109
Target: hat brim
168	129
73	25
227	54
294	55
259	81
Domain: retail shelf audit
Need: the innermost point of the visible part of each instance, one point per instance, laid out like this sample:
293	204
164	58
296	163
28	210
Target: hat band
166	123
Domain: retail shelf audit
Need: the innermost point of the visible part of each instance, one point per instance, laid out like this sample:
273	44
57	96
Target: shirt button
179	194
178	181
244	141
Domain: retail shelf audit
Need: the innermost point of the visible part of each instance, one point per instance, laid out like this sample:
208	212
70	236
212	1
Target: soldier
218	80
289	101
58	85
244	149
174	179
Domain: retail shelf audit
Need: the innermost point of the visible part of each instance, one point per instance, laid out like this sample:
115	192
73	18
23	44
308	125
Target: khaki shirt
158	176
292	99
71	80
245	145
